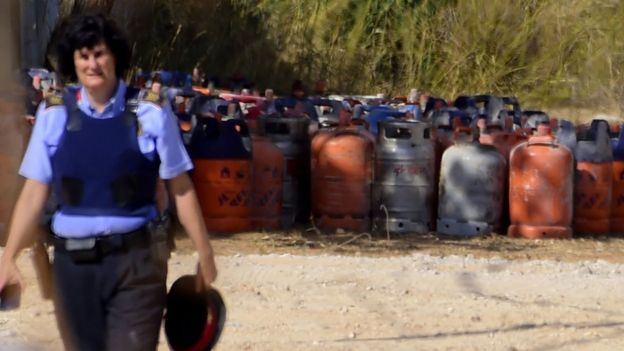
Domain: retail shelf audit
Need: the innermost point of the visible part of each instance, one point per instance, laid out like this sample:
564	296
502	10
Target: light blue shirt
379	114
160	136
414	109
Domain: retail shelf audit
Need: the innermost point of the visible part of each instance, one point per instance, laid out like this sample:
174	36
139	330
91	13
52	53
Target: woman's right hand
9	273
30	119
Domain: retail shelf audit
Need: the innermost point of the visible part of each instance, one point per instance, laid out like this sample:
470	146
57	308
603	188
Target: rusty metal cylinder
617	197
471	188
541	181
222	174
593	181
290	135
504	141
342	173
403	187
268	171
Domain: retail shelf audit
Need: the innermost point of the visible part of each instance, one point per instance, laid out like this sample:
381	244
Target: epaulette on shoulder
54	100
152	97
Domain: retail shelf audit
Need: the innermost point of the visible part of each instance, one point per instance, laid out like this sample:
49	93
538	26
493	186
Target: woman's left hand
207	269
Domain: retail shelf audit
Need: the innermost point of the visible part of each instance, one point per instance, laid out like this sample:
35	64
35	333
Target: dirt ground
309	291
309	242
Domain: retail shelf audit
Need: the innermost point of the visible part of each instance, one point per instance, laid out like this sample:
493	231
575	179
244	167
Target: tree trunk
39	19
13	128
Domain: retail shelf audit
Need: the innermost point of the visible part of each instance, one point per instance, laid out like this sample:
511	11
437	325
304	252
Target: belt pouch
83	250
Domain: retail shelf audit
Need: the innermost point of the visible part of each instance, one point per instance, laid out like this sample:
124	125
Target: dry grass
301	242
550	53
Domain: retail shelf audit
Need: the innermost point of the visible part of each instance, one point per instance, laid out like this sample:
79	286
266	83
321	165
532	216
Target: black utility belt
94	248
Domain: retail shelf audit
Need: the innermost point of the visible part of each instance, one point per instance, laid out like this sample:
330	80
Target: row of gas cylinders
412	178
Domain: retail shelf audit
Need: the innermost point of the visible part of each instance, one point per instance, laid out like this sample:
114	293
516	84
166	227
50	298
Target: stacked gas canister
480	166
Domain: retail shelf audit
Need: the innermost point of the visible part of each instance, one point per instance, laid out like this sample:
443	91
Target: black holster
161	242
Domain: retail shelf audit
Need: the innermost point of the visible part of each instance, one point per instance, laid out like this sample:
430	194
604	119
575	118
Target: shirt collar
115	105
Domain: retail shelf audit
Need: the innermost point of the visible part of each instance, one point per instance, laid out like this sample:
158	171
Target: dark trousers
115	303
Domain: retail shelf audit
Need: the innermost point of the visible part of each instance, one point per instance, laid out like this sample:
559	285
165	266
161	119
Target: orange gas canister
617	198
541	181
222	174
223	189
615	128
501	139
593	180
268	169
341	179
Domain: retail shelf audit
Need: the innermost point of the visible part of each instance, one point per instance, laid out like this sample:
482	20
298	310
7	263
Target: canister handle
542	136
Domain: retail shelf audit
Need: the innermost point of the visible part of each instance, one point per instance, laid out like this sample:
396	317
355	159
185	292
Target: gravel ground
413	301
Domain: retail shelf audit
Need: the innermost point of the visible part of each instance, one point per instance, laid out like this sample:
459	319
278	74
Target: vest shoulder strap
152	97
132	98
132	105
54	100
69	99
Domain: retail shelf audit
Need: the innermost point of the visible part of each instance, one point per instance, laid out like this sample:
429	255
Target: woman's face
95	67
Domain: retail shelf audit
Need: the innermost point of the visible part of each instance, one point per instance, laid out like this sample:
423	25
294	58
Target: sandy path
415	302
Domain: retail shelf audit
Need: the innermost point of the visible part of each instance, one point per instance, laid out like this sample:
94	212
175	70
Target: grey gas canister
403	187
471	188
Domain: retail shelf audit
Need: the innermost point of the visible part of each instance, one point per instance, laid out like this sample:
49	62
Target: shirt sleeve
44	140
159	123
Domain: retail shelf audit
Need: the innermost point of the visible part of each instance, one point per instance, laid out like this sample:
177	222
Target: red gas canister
617	198
342	178
541	180
268	169
504	141
222	174
593	180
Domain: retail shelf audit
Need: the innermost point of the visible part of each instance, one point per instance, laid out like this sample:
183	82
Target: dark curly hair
86	31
